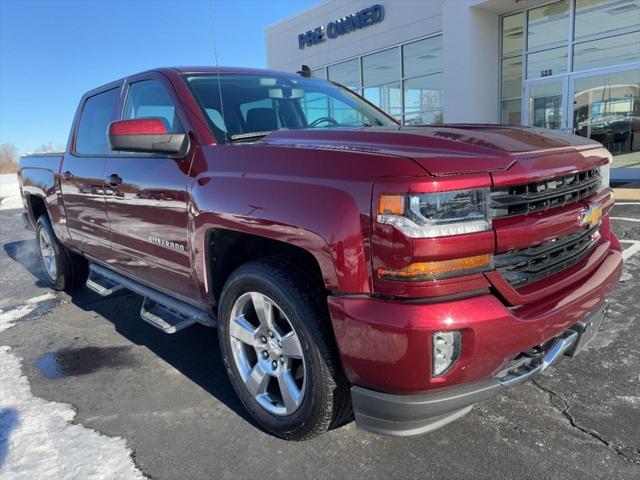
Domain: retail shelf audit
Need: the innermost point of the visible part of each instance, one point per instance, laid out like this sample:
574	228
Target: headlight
429	215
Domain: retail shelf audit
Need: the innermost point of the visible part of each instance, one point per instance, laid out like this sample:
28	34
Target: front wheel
278	350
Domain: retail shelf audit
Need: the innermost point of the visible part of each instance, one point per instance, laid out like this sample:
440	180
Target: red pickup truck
351	264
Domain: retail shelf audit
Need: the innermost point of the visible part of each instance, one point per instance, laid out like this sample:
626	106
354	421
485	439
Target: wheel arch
227	249
36	206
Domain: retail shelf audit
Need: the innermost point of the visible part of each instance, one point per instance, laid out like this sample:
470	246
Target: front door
545	103
147	201
82	178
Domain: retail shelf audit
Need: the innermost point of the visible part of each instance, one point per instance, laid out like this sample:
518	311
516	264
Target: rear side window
149	99
91	137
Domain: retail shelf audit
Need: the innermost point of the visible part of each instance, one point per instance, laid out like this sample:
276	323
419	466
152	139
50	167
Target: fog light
446	350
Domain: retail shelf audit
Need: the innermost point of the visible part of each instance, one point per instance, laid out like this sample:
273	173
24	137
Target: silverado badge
167	244
591	215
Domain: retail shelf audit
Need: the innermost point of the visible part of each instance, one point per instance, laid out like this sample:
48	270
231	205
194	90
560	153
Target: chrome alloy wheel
267	353
48	254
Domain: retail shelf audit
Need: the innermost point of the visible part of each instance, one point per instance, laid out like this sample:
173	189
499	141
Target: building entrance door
546	104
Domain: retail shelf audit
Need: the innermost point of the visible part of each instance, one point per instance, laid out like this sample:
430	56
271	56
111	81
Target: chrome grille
528	265
539	196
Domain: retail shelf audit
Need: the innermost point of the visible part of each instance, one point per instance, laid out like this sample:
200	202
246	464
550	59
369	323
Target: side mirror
146	135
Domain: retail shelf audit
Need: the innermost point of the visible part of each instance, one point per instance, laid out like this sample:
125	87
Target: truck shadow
9	420
194	351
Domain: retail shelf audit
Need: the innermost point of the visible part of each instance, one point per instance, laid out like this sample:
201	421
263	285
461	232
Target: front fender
322	219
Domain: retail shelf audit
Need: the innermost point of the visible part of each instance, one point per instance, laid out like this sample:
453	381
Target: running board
164	318
102	285
160	310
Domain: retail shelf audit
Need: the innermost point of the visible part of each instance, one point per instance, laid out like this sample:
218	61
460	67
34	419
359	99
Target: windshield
254	105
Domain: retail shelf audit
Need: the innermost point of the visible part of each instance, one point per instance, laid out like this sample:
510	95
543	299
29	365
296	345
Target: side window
91	136
149	99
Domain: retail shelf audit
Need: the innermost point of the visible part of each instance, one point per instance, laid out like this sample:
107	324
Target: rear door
146	197
82	176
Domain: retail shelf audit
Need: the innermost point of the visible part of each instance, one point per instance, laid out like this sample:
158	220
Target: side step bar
160	310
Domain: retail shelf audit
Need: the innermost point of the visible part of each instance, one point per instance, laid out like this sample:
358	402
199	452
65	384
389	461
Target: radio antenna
215	58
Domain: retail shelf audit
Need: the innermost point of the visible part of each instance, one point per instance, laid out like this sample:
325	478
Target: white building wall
471	45
404	20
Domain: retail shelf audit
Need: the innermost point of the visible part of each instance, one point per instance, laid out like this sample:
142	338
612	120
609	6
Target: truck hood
444	149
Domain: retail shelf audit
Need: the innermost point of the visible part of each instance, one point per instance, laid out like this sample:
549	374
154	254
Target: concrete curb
627	194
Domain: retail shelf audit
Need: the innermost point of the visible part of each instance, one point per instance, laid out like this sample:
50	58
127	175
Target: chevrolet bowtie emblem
591	216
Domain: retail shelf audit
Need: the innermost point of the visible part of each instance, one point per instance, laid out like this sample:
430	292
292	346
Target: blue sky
51	52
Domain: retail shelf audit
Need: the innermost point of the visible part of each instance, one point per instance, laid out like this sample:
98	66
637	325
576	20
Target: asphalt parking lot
169	398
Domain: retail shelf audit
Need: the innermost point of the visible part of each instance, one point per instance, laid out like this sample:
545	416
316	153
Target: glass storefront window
547	25
422	57
511	112
606	108
387	97
423	99
346	73
512	33
607	51
511	77
407	88
594	17
381	67
424	118
605	36
547	63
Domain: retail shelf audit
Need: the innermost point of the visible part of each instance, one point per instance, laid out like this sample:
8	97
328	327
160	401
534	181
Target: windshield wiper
249	135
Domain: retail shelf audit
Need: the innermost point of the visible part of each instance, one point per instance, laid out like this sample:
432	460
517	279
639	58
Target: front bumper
385	345
403	415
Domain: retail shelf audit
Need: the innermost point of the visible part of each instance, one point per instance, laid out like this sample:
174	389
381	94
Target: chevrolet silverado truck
352	265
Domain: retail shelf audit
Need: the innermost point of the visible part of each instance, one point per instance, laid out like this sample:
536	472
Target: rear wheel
279	352
63	269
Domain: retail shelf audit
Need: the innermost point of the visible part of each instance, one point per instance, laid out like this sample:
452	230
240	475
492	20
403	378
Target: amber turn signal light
391	205
440	269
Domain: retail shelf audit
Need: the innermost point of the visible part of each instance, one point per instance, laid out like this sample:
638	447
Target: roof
172	71
213	69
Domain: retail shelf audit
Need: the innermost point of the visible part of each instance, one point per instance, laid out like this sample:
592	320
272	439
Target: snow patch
40	442
9	317
633	400
37	438
10	192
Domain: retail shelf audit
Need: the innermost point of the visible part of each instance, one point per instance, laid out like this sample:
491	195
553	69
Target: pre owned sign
342	26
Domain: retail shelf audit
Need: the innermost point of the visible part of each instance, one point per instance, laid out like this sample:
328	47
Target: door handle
67	175
114	180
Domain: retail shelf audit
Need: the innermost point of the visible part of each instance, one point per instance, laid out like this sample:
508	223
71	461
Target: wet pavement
168	395
69	362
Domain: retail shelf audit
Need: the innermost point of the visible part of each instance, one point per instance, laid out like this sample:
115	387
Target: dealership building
572	65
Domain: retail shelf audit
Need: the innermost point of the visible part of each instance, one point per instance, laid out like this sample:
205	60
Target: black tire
70	271
326	401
